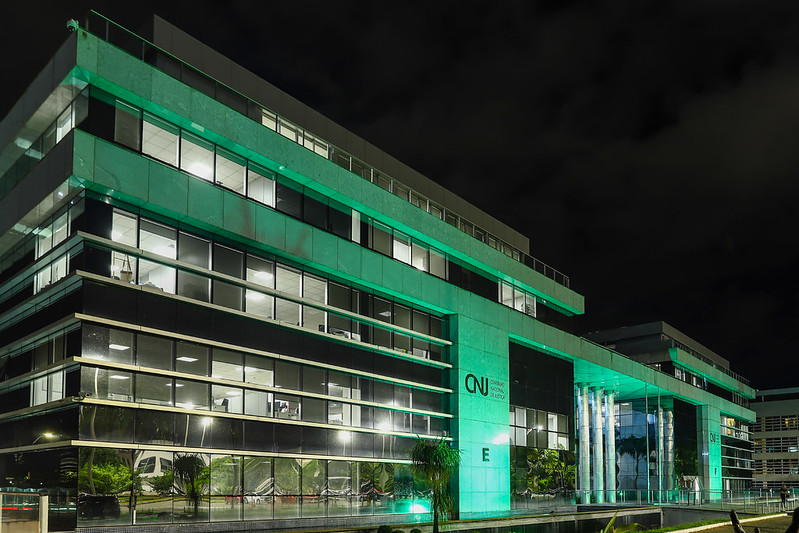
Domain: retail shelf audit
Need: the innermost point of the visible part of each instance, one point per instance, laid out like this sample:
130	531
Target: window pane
124	230
259	490
153	352
260	271
228	261
191	358
313	380
287	375
160	139
261	185
288	281
230	170
107	344
226	399
402	247
107	384
258	370
420	258
194	250
314	289
194	286
226	365
126	125
155	390
157	276
287	406
289	199
438	264
157	238
381	238
191	394
196	156
257	403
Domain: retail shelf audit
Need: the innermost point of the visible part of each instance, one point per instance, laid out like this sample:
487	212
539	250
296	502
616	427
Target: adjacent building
776	439
217	305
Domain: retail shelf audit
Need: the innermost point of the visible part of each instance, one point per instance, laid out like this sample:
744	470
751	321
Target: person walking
784	496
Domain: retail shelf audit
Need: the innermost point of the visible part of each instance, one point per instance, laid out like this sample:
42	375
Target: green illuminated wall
708	419
480	400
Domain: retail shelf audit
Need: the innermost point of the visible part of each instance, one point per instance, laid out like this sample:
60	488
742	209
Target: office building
776	439
217	305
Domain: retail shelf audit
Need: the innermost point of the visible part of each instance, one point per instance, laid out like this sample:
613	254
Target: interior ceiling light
118	347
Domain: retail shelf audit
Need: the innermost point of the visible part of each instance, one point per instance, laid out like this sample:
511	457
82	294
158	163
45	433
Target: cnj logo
475	384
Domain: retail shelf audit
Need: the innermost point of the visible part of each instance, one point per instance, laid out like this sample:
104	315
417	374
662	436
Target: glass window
339	413
287	406
153	352
338	384
160	139
288	198
287	375
315	209
402	247
191	394
107	344
258	370
313	410
227	399
313	380
196	156
153	389
226	365
287	281
225	487
419	257
126	125
107	384
261	185
259	489
438	264
314	289
124	230
158	239
257	403
287	484
506	294
157	276
191	358
381	238
230	170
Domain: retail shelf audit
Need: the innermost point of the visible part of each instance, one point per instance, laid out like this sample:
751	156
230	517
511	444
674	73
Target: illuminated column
660	439
669	470
583	452
610	447
599	461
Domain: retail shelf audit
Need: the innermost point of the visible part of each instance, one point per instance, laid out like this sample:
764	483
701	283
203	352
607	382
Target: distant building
776	437
663	347
218	305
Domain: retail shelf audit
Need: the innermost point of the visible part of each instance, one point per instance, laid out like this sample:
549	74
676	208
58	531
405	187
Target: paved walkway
767	525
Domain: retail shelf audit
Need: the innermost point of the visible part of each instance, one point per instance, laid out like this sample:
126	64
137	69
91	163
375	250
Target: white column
599	460
583	452
610	447
661	454
669	470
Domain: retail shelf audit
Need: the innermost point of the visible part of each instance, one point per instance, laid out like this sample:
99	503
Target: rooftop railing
148	52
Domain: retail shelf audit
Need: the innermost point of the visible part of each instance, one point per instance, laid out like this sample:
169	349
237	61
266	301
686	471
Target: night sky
648	149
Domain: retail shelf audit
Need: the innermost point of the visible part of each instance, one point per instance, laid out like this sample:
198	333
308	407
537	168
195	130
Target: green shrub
398	531
416	530
385	529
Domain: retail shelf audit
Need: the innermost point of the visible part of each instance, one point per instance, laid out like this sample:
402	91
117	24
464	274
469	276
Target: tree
434	461
190	470
162	484
635	447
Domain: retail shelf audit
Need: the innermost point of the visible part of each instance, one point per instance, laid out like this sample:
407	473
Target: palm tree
434	461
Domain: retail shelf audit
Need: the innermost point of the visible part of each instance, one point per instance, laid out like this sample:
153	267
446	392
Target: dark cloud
648	149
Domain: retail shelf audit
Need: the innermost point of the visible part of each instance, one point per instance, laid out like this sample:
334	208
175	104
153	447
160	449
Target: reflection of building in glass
218	305
776	438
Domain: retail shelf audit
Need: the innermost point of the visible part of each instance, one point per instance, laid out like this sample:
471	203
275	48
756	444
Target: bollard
44	508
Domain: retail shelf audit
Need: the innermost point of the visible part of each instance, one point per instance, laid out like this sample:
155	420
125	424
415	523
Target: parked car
95	506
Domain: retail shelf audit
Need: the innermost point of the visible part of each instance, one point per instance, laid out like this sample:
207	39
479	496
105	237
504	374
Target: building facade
776	439
217	305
